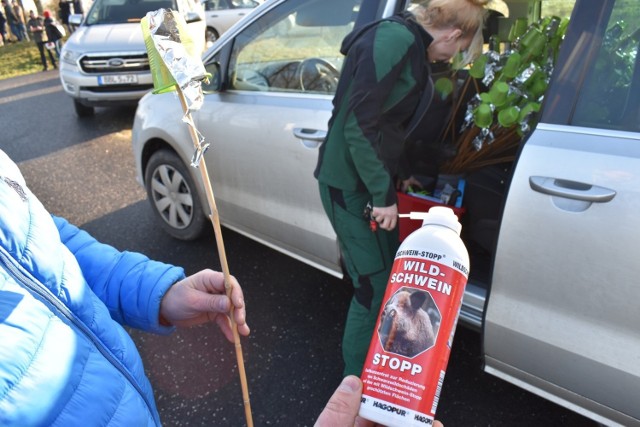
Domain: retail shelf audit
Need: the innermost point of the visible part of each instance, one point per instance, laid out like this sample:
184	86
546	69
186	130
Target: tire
173	196
210	36
83	110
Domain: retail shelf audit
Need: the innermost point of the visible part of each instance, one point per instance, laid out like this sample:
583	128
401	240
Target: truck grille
116	88
114	64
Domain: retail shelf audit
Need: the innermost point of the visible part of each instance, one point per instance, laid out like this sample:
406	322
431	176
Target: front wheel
210	36
82	110
173	196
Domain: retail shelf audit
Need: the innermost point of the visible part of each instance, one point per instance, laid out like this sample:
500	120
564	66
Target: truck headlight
70	56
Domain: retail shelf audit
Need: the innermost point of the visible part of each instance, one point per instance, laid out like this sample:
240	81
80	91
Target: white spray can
407	359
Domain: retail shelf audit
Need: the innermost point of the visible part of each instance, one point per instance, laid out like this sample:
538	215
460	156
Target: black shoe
45	69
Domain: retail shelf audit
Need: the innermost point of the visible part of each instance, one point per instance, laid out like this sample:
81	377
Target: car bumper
87	89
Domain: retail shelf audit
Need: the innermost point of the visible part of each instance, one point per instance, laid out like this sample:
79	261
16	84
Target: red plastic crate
407	203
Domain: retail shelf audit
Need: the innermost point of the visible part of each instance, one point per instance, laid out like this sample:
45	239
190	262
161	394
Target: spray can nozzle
414	215
438	215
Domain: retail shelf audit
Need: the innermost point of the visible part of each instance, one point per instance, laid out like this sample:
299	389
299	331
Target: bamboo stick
215	220
454	113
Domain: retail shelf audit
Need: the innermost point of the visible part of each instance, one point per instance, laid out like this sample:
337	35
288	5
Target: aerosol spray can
410	347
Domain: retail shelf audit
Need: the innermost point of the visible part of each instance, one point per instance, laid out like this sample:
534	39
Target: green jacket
385	70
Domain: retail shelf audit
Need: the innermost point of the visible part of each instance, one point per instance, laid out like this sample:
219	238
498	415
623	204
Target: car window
609	98
216	5
122	11
237	4
295	47
229	4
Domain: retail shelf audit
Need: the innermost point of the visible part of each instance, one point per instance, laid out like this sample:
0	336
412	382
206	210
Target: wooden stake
215	220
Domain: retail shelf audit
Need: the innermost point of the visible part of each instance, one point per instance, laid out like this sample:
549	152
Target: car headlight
70	56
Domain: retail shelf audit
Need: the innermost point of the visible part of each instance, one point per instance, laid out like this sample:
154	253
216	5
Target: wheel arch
214	29
156	144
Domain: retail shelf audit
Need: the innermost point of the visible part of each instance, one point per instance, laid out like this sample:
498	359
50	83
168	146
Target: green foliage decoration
509	87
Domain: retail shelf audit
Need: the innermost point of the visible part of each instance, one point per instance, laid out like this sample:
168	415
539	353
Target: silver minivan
552	234
104	62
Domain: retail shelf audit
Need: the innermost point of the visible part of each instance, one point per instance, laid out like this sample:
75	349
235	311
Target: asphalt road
83	170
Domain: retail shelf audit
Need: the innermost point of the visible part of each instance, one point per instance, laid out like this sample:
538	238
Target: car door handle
571	189
310	138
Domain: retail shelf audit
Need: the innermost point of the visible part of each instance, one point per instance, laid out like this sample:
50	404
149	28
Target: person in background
64	12
3	30
53	34
39	35
12	19
65	357
383	82
78	9
21	25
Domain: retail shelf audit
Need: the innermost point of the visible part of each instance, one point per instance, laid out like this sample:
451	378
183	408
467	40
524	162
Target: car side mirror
192	17
215	80
75	19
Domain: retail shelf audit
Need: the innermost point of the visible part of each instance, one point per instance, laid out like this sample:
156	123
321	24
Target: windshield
122	11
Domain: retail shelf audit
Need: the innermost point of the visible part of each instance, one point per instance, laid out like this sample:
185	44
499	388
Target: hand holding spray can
407	359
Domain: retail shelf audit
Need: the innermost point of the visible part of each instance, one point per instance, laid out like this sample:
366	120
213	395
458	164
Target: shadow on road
292	358
40	118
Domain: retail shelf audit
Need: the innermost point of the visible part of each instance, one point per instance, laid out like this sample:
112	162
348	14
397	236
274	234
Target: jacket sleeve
130	284
380	63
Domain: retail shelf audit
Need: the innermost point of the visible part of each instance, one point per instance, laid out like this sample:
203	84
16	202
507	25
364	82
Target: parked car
553	251
222	14
104	62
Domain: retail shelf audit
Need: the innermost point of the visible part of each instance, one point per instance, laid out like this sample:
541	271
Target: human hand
342	408
201	298
409	182
386	217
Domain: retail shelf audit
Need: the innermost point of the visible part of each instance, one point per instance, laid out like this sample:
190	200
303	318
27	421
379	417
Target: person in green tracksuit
383	84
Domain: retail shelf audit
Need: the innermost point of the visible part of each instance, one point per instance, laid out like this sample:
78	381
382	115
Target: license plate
118	79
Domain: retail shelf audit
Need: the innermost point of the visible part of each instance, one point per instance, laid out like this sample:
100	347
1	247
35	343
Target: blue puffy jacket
64	358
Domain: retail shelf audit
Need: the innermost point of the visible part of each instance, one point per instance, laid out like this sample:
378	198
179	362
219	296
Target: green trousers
368	257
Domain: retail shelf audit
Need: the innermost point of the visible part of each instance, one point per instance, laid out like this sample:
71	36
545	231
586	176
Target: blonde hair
466	15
